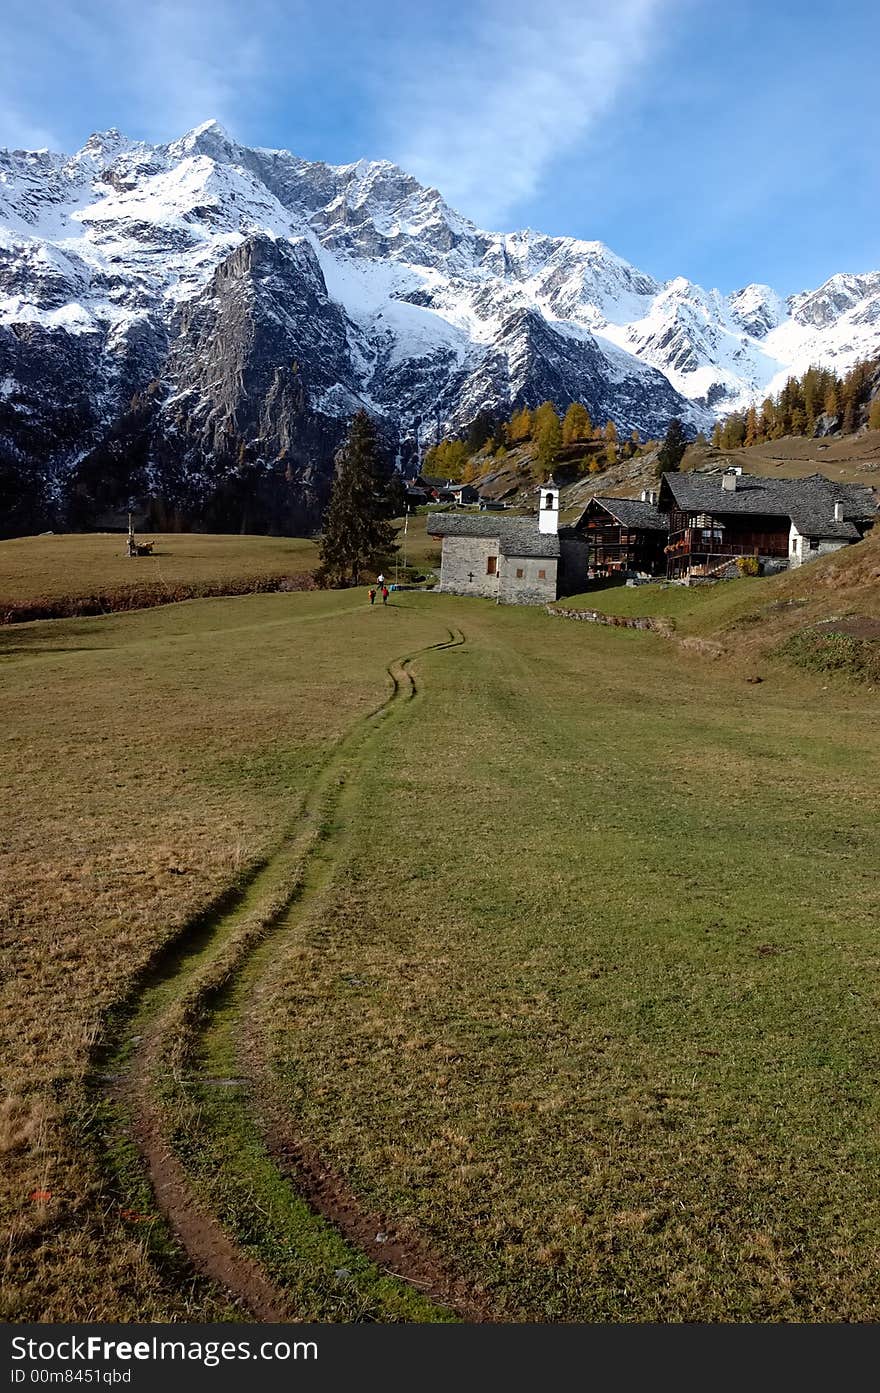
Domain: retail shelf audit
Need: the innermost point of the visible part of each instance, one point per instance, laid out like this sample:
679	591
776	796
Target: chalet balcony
693	543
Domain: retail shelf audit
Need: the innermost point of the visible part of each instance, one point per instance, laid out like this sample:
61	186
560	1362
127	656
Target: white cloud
175	62
483	113
18	132
159	66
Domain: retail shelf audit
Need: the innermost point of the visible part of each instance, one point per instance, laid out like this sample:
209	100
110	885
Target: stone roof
516	536
809	503
631	512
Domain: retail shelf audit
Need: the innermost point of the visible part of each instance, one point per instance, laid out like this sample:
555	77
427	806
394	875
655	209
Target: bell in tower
548	507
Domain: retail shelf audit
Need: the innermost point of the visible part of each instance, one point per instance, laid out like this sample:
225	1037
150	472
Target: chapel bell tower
548	507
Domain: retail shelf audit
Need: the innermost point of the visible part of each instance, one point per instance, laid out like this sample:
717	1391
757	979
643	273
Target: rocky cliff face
188	327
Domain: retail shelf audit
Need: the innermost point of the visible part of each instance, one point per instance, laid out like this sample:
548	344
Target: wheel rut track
193	972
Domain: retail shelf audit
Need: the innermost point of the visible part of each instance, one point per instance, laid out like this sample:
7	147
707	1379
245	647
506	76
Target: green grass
837	653
593	1004
149	759
421	550
587	999
697	609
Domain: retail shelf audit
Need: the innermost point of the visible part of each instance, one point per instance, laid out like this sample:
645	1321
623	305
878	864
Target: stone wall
800	551
615	621
530	588
464	557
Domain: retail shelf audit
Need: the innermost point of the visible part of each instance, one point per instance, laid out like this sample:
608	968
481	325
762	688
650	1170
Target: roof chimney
838	511
728	480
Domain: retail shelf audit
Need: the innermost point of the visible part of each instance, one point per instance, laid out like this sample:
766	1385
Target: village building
444	490
715	518
622	536
515	560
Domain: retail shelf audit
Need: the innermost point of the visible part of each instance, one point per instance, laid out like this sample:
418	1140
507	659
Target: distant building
512	560
459	493
444	490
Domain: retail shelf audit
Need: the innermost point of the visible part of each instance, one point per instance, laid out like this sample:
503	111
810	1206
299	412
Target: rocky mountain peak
192	276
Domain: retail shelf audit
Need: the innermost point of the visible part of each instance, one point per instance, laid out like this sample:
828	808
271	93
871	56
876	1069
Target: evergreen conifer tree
356	531
670	454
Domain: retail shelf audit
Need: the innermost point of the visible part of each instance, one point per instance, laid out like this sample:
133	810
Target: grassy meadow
149	761
75	568
580	991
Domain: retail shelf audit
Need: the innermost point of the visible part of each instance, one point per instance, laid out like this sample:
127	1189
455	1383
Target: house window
491	565
814	544
519	572
542	575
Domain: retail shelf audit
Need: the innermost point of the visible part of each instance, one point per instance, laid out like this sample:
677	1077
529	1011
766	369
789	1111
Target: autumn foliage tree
576	424
519	427
547	434
797	407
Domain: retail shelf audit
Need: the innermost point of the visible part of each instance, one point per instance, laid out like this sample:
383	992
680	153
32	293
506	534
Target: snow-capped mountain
194	322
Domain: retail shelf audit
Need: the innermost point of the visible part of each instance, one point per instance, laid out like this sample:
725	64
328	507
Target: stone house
515	561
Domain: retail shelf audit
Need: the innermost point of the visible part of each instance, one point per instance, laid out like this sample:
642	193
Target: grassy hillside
754	616
573	990
150	761
851	458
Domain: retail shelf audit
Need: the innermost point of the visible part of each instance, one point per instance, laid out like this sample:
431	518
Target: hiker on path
384	594
372	596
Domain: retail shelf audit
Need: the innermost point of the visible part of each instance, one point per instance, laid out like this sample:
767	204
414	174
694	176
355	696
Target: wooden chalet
714	518
622	535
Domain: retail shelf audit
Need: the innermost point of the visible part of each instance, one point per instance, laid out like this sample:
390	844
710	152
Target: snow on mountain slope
116	261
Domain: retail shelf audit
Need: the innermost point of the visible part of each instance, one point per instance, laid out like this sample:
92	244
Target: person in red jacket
372	596
384	594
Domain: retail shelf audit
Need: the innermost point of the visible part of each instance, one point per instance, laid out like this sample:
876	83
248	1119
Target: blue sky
727	142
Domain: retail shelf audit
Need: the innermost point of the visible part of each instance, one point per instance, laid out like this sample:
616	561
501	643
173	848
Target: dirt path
189	990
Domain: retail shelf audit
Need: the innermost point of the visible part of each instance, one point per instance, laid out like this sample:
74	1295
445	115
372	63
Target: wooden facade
620	544
703	543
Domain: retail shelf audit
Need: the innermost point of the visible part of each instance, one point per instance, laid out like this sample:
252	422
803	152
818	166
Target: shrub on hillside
748	565
830	652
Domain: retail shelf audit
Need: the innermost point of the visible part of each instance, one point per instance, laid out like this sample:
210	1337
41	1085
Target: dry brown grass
148	760
854	459
53	569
